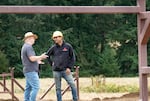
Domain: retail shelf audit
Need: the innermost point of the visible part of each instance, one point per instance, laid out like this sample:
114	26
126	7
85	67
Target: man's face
57	39
32	40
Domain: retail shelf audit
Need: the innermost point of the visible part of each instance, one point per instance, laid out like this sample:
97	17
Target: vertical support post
142	54
4	82
12	83
142	4
77	80
143	77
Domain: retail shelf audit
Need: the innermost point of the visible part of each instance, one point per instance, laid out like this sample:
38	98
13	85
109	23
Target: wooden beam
142	53
142	4
69	9
145	34
145	70
145	15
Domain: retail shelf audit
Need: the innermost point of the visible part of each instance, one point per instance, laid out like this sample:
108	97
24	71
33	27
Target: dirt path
84	97
84	82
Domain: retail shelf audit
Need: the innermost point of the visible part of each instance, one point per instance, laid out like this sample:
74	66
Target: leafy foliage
93	36
3	62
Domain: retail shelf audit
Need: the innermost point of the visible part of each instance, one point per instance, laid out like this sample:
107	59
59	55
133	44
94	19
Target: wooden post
12	83
4	82
77	80
142	54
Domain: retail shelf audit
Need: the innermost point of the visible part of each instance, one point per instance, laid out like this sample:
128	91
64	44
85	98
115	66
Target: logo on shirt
65	49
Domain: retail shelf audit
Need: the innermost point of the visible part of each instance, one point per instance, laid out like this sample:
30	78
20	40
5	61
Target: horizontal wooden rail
5	74
69	9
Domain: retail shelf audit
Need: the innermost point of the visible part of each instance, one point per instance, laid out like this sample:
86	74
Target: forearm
35	58
38	58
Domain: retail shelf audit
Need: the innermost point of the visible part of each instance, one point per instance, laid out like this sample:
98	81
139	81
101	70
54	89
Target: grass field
45	83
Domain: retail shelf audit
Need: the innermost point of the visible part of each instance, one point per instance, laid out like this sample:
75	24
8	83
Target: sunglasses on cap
56	37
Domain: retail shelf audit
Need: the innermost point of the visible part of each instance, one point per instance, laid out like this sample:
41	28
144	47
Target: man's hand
43	56
68	71
38	58
40	62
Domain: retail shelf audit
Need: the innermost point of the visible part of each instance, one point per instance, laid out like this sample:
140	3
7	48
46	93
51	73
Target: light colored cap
30	34
57	33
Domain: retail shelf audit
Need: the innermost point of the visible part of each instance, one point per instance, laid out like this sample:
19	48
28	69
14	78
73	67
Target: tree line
103	43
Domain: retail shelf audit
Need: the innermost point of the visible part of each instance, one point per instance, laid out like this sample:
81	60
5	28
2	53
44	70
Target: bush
3	62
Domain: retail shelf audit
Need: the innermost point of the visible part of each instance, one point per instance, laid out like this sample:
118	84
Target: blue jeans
32	86
69	78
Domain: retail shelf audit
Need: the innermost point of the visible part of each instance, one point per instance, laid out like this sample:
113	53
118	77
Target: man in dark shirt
61	58
31	66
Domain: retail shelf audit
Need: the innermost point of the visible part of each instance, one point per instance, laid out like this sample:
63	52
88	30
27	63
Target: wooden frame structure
13	81
11	91
143	19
